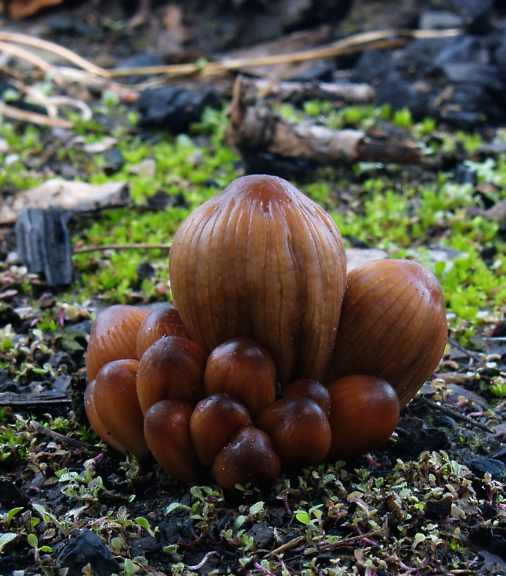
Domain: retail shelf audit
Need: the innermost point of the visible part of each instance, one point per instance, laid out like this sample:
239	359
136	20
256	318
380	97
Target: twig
380	39
326	547
39	429
454	414
287	545
26	55
33	117
137	246
474	355
350	539
55	49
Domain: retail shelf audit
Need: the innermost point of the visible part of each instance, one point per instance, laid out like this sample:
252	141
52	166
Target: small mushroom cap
244	369
248	458
309	389
363	414
213	422
113	336
298	428
167	432
172	368
161	322
95	421
113	409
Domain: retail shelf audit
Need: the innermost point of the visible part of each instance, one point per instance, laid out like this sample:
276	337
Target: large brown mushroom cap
393	325
261	260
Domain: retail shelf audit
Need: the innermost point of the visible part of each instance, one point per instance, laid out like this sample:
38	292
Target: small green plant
311	517
9	515
498	386
144	523
5	538
82	487
33	542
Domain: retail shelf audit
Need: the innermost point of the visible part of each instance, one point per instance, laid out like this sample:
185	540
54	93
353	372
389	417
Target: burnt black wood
43	244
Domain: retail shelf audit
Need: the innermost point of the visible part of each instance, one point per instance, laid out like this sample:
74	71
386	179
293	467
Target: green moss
382	207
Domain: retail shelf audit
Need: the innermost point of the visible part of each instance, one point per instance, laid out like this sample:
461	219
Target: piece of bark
43	244
258	128
31	401
299	92
68	195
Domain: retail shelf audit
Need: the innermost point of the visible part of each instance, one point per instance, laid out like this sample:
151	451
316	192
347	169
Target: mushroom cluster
272	357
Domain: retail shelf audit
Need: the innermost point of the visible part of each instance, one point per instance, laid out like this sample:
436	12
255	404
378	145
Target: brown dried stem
33	117
137	246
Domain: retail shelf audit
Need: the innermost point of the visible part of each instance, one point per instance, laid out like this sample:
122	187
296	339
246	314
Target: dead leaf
69	195
21	8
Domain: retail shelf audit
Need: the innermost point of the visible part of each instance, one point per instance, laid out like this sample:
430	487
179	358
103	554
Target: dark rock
462	118
306	13
491	539
67	171
170	532
477	14
425	440
409	424
420	55
9	386
145	270
7	565
463	50
262	534
438	509
400	94
481	466
81	328
500	454
62	358
277	165
143	546
467	105
113	161
465	175
475	74
160	200
10	495
500	58
492	563
488	254
372	65
446	421
61	383
9	316
174	108
87	548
